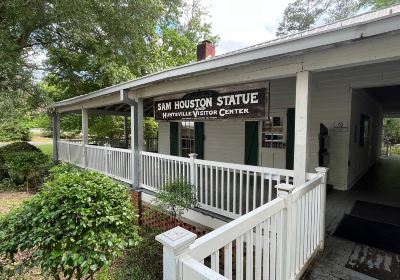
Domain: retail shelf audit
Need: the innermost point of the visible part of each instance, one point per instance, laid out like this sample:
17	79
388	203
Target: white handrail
218	238
275	241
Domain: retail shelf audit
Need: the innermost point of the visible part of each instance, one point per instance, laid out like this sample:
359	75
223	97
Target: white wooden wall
163	138
362	157
330	102
224	141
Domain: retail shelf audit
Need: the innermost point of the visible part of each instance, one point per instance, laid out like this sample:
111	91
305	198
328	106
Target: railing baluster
228	190
228	261
254	189
258	252
247	190
234	192
239	258
206	183
240	192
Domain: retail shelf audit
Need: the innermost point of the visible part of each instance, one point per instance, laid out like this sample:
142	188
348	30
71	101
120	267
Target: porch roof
372	24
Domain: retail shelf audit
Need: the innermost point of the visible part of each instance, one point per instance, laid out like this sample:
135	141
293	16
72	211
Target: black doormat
376	212
372	233
376	263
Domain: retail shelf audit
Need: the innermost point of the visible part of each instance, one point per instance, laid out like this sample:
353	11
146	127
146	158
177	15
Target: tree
305	14
175	197
93	44
391	132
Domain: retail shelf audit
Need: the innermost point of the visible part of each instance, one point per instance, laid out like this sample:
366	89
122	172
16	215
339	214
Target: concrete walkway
341	258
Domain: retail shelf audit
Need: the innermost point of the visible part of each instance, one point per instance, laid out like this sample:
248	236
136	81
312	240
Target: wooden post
56	135
288	238
175	243
301	127
136	139
85	134
323	171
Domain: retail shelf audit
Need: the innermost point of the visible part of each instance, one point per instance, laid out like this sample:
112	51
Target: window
272	133
187	138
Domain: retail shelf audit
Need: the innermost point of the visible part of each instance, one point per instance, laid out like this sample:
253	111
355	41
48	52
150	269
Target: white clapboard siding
224	141
163	138
362	157
330	102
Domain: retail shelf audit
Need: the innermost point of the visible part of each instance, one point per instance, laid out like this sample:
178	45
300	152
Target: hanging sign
209	105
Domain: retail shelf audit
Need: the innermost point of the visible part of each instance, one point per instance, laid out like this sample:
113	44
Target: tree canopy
90	44
304	14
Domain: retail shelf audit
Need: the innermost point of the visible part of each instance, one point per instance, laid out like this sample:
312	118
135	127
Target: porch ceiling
119	109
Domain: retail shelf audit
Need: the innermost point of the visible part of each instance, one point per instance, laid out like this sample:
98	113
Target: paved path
379	185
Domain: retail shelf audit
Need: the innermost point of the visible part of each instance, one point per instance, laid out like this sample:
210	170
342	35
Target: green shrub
61	169
12	131
143	262
76	225
18	147
175	197
23	163
7	185
28	167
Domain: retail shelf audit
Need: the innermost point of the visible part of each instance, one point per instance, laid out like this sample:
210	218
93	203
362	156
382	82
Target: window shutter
199	139
290	138
174	138
251	143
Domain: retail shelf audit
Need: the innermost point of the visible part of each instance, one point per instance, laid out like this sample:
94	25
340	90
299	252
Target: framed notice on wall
213	105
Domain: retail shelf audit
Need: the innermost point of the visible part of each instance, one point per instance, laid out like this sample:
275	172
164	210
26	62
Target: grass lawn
47	149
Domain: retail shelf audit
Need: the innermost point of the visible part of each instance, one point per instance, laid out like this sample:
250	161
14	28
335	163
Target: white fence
274	241
225	188
116	163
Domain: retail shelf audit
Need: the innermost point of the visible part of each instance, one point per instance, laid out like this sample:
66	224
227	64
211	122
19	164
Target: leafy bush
13	130
61	169
28	167
23	162
75	226
18	147
175	197
7	185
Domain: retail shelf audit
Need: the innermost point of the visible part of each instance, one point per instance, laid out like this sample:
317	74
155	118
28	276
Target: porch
226	189
349	259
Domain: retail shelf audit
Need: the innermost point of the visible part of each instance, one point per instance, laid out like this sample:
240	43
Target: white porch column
85	134
136	139
303	82
56	135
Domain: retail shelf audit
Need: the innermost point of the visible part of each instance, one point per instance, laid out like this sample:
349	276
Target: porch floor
381	185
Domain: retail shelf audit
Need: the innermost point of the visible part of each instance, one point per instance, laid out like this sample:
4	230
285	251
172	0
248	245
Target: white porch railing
274	241
224	188
227	189
116	163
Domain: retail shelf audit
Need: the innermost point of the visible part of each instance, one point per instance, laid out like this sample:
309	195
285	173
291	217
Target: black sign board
209	105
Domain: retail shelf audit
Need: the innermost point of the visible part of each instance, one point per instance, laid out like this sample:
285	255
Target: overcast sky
241	23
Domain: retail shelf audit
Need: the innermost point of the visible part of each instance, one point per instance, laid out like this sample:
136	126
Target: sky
242	23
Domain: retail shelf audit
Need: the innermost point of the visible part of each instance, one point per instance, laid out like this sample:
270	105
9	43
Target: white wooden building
337	75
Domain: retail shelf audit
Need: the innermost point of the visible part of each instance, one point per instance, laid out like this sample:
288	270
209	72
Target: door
274	140
251	143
